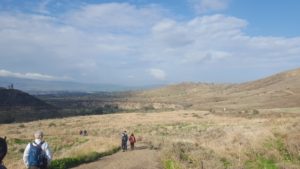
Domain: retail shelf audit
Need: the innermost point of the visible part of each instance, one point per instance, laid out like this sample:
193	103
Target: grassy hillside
186	139
278	91
253	125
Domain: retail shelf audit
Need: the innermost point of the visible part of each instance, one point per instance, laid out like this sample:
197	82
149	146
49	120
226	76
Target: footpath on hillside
140	158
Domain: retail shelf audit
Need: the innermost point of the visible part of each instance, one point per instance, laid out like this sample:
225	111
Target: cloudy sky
144	42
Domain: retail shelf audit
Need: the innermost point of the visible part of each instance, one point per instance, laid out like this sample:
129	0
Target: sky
144	42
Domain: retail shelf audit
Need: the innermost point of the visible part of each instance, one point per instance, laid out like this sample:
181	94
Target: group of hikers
37	155
83	133
125	139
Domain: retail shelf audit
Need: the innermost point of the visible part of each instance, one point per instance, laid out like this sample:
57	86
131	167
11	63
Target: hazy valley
251	125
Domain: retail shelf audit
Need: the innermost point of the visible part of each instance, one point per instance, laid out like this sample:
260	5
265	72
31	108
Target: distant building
11	86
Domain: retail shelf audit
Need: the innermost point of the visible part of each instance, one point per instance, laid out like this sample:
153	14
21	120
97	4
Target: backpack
124	138
36	156
131	139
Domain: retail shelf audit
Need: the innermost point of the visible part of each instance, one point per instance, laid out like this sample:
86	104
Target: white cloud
198	40
157	74
165	25
43	6
199	57
118	40
204	6
36	76
114	17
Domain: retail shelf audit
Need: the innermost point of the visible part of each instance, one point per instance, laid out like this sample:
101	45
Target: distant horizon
148	42
118	87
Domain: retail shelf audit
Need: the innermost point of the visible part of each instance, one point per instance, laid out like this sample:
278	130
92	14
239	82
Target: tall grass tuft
170	164
261	163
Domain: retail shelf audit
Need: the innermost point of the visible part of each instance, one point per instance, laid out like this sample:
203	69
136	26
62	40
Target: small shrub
19	141
183	156
280	146
21	150
51	124
148	108
212	110
255	112
260	163
170	164
21	126
226	163
196	115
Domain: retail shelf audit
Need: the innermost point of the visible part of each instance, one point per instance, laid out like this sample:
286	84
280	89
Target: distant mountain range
47	87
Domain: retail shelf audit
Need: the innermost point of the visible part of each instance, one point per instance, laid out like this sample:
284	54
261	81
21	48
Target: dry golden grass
278	91
186	139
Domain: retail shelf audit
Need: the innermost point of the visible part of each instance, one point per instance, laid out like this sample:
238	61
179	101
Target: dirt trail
140	158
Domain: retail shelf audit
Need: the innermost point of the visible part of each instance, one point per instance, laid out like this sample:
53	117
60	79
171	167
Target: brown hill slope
277	91
280	90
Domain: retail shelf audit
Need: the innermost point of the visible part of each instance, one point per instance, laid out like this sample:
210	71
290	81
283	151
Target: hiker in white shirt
30	159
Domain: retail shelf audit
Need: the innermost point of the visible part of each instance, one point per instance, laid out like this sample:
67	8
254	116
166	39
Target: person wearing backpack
3	151
132	140
124	140
37	155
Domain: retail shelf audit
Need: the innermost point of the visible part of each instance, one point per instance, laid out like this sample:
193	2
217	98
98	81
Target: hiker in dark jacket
124	140
132	140
3	151
38	148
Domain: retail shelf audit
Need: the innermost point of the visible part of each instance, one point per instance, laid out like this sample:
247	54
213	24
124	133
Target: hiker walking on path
3	151
37	155
132	140
124	140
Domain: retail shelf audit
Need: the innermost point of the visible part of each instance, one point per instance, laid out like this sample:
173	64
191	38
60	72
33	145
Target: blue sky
142	42
268	17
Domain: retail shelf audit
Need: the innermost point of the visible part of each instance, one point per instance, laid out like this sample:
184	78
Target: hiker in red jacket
132	141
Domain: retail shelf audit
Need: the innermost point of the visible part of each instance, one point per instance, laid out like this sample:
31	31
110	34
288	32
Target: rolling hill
18	106
277	91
